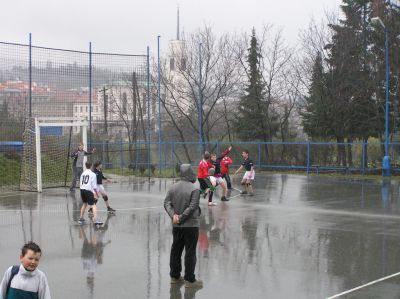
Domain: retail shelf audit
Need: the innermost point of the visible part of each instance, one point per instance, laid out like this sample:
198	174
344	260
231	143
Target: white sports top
88	180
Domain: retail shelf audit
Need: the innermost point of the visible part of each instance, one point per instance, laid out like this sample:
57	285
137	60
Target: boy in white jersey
89	192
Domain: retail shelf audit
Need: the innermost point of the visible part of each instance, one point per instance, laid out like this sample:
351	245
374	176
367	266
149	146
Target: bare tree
184	100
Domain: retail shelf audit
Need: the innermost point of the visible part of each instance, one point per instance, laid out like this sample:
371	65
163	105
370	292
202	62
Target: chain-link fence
110	91
113	93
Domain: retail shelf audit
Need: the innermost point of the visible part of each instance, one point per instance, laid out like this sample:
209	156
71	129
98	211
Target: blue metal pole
30	74
90	94
121	154
387	94
308	157
364	144
159	104
148	110
172	159
200	100
386	158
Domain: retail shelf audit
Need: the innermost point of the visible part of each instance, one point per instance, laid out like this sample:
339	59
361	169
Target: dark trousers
76	175
204	184
184	238
228	180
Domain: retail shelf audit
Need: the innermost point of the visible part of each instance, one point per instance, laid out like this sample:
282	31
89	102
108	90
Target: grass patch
10	169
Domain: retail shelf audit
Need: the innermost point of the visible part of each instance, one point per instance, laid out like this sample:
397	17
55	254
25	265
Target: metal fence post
138	148
103	155
30	74
90	94
200	104
363	156
308	157
121	154
148	114
172	159
159	104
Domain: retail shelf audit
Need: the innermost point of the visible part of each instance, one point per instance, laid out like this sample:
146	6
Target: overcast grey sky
128	26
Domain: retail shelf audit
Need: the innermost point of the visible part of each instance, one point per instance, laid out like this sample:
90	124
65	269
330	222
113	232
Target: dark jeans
76	175
184	238
228	180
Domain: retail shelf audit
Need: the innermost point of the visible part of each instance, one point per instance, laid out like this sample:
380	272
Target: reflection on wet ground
298	237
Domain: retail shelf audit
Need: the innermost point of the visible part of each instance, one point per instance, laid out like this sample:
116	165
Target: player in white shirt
89	193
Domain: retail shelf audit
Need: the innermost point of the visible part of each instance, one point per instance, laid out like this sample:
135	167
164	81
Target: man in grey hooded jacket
182	205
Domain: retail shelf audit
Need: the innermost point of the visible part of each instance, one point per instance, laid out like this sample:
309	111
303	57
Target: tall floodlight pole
90	95
30	75
200	104
148	114
159	104
386	158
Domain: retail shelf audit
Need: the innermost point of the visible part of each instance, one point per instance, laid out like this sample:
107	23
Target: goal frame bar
55	122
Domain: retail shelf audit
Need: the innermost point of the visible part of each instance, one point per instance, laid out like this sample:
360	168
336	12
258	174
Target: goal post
46	151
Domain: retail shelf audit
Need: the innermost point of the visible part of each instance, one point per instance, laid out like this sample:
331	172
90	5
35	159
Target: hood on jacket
187	173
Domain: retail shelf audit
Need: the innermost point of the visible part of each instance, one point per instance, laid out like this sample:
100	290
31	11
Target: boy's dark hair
30	246
96	164
206	155
246	151
88	164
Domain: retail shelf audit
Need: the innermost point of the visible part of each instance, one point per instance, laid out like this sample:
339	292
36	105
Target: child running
97	169
89	194
225	162
26	280
212	181
248	177
216	162
202	173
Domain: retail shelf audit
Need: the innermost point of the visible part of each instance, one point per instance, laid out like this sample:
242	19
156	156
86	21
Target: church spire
177	27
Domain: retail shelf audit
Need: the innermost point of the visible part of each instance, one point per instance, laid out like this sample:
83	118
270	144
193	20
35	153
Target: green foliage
347	93
256	120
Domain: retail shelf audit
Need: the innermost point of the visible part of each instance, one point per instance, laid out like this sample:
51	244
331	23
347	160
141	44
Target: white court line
237	195
46	210
134	209
16	194
364	285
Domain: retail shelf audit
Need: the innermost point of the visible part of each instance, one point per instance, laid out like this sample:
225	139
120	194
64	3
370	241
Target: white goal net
47	145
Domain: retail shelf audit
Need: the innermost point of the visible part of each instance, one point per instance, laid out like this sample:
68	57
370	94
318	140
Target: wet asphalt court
298	237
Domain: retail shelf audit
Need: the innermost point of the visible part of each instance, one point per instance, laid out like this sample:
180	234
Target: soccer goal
47	144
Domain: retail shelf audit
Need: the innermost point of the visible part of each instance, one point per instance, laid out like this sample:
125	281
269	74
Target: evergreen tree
256	120
315	117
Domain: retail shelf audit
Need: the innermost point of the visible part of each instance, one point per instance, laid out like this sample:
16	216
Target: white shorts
219	180
101	189
213	180
249	175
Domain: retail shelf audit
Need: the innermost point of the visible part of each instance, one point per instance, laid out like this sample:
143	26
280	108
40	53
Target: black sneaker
223	198
110	210
81	221
244	192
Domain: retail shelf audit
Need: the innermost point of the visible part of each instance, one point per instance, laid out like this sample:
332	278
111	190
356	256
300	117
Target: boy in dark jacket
77	163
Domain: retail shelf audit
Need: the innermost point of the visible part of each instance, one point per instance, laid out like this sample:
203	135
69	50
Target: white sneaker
210	204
